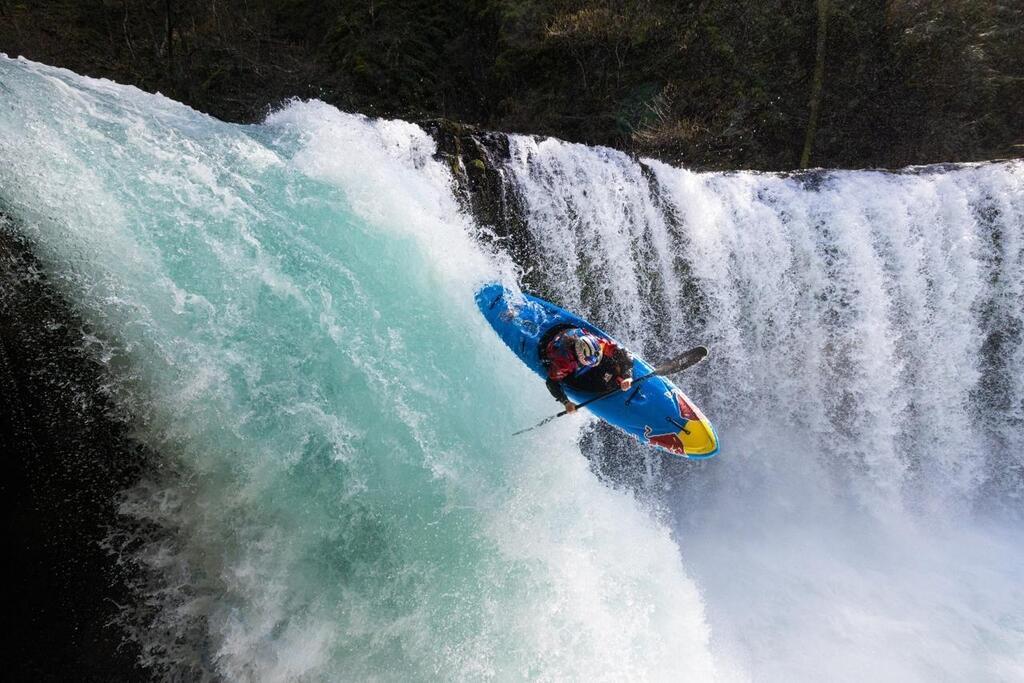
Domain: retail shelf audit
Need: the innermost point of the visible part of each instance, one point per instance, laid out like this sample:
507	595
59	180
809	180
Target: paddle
677	364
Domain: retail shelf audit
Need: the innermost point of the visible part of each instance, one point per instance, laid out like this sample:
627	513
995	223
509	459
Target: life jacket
560	354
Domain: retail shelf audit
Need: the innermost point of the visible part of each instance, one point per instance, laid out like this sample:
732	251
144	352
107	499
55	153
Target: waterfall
286	312
872	317
865	376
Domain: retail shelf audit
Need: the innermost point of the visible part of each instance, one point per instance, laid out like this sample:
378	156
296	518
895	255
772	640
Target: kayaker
587	363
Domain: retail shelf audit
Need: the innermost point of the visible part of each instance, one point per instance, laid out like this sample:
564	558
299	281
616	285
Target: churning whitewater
286	310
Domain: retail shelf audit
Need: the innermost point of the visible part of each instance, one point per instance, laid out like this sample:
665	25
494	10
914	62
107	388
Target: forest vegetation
774	84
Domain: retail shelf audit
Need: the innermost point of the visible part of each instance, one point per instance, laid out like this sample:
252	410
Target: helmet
588	349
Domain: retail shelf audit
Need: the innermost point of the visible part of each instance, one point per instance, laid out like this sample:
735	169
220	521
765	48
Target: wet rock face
67	456
476	158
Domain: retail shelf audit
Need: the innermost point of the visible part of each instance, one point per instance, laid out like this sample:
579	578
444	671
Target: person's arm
555	387
623	360
556	373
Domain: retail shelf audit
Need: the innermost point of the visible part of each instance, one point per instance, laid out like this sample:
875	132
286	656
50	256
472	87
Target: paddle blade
683	361
540	424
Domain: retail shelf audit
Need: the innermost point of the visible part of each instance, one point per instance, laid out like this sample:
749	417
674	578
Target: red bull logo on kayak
670	442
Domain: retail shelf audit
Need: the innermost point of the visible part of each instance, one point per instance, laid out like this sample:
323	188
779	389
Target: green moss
455	166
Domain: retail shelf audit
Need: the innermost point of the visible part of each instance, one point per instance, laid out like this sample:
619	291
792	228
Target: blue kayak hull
656	413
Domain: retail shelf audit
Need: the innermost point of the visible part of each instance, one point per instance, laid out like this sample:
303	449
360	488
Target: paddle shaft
685	360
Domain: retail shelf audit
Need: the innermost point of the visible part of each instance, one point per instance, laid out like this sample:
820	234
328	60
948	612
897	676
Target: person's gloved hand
625	384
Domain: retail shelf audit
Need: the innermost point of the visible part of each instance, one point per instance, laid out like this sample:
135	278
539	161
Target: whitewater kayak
655	411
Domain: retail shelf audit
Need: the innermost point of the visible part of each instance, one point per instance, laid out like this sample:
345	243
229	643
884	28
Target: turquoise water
288	310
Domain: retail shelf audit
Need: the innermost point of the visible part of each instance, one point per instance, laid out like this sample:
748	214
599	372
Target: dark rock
67	456
477	159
